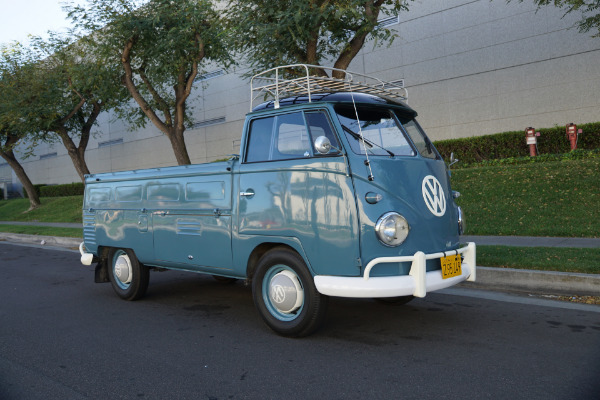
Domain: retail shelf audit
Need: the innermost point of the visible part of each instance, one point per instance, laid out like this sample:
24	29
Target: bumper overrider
86	258
417	283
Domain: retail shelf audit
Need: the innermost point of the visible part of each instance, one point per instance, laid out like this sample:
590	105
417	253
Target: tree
14	71
590	10
160	46
276	33
67	90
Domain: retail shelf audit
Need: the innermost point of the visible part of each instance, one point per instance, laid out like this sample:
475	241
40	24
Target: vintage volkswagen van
337	192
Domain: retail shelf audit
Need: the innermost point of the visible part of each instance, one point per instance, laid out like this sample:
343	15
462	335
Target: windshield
380	130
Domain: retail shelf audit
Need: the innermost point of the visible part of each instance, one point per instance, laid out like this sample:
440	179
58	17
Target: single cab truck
337	192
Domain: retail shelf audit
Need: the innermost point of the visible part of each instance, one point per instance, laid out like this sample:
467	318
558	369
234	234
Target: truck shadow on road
363	321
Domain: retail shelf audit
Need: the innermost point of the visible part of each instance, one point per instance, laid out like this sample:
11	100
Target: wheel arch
264	247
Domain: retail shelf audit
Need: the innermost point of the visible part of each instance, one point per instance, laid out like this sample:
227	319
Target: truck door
195	232
289	190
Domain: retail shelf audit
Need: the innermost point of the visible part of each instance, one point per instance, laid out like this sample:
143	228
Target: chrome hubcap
285	292
123	270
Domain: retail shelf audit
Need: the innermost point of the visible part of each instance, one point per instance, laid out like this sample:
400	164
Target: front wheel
285	294
128	277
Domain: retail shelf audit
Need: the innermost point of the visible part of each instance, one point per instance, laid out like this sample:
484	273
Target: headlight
461	222
392	229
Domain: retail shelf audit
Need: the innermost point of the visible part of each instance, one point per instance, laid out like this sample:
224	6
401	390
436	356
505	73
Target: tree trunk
9	157
174	131
356	43
348	54
77	154
178	144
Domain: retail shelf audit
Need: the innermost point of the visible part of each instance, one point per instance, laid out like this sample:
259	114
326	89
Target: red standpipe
530	139
572	135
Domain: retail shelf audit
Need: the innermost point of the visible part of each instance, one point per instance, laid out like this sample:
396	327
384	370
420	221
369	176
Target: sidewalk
533	241
51	224
503	279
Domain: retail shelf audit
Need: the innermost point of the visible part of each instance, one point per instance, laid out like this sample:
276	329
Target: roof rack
296	80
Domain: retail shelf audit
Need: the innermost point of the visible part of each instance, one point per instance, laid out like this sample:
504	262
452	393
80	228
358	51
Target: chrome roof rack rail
296	80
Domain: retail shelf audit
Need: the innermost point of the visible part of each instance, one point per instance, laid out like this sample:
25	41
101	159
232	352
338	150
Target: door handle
249	193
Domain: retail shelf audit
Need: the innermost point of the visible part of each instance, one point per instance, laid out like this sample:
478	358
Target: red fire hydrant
573	134
531	140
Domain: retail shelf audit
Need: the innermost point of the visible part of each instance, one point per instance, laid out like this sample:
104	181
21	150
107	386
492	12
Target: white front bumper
417	283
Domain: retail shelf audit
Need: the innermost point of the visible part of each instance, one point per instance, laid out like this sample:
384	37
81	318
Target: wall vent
110	143
383	23
48	155
208	122
399	83
210	75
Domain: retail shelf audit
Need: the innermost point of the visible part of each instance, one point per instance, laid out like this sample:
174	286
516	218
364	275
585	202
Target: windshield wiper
365	141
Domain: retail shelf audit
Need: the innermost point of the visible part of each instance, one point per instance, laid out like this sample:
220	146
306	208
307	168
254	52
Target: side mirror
452	160
322	145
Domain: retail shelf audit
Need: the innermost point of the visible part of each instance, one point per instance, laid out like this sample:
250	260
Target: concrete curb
503	279
543	282
55	241
533	241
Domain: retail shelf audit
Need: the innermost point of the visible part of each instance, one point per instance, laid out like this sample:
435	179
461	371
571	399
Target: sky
20	18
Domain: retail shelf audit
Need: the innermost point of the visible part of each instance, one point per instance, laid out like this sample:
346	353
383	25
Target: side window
259	142
287	136
291	137
420	140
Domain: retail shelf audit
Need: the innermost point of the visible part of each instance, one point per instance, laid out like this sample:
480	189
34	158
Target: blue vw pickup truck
337	191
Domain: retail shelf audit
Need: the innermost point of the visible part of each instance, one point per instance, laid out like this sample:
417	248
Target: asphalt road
64	337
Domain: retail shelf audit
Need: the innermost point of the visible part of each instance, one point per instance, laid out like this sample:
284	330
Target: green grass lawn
53	209
540	258
43	230
560	198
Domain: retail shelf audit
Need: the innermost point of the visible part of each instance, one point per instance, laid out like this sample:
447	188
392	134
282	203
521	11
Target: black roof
336	97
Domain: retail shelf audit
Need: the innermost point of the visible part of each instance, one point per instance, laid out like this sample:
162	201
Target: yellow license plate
451	266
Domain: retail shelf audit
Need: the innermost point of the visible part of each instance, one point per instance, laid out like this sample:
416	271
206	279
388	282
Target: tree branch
64	120
87	127
194	71
350	51
162	104
128	82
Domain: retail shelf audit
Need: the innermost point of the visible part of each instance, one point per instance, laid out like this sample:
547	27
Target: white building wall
472	67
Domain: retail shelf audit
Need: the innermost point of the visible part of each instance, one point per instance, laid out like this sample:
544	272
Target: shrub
69	189
37	188
577	154
512	144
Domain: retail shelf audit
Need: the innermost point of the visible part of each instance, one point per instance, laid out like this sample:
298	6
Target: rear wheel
128	277
285	294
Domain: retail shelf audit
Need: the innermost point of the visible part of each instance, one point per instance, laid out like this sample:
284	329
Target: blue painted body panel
194	217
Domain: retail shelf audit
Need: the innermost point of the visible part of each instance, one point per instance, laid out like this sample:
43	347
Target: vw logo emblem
278	294
433	194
